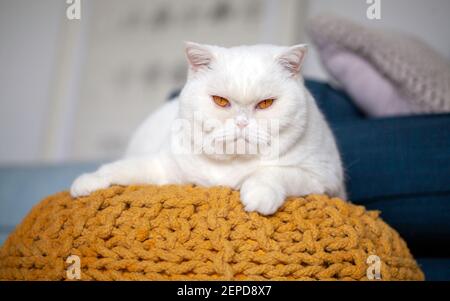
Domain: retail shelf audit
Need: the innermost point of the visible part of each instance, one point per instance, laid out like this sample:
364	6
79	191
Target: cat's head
254	94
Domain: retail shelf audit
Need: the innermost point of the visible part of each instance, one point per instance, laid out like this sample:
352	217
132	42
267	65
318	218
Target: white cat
249	86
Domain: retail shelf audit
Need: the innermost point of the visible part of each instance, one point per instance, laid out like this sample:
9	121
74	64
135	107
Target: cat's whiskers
225	134
257	138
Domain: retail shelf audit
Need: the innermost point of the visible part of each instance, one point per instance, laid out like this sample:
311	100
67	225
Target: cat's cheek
261	198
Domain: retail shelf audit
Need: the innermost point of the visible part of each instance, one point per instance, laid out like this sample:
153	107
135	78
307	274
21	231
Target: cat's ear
199	56
292	59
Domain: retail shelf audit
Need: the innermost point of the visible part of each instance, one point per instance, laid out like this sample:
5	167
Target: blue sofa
400	166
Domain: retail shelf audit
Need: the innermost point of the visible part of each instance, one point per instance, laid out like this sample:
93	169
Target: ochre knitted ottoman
188	232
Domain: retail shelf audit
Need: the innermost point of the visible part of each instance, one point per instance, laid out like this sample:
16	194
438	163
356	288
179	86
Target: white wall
429	20
28	46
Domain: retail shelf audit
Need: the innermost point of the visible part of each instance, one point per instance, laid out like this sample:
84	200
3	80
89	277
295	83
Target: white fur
308	159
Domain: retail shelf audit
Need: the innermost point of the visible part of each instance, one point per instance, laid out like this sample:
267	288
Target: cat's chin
230	157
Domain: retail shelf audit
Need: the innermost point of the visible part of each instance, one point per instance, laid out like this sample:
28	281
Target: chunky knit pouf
188	232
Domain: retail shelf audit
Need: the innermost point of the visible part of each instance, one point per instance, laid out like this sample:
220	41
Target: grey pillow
420	75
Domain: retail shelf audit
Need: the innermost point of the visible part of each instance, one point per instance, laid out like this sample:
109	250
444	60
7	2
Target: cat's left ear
292	59
199	56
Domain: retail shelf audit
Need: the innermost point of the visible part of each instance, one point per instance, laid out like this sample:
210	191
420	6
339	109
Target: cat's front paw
87	183
261	198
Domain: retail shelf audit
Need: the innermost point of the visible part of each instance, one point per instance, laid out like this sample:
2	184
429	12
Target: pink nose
242	123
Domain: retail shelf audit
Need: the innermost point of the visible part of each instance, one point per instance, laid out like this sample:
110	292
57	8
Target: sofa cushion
401	166
435	269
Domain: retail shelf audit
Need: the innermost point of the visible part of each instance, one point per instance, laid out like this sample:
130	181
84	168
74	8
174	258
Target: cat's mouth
246	140
243	136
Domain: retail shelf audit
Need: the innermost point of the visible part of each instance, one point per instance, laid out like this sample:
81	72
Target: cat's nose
242	123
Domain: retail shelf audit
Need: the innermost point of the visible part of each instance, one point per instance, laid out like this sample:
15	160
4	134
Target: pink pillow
386	73
371	92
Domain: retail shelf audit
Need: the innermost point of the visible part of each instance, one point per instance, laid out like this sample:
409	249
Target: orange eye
264	104
220	101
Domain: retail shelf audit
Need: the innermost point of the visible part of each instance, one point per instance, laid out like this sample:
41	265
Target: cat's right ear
293	58
198	56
